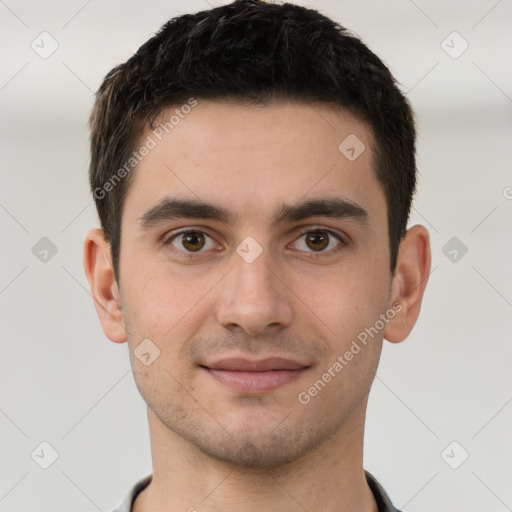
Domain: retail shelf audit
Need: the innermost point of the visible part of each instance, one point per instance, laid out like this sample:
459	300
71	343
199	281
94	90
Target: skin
213	448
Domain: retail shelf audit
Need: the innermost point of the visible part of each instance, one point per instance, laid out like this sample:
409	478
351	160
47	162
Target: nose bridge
253	279
253	297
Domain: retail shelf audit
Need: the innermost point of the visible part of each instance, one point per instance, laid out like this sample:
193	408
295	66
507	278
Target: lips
262	365
255	376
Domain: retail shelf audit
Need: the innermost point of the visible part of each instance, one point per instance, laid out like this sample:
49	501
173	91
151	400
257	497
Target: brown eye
317	240
193	241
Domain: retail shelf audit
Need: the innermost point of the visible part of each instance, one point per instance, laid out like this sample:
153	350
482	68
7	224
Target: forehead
251	158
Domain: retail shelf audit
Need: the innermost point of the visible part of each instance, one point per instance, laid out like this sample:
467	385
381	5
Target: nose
254	298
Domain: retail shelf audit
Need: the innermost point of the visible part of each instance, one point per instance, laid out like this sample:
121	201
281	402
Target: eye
318	241
191	241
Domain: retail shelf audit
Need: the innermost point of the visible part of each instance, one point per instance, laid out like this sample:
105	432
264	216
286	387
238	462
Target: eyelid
169	235
341	237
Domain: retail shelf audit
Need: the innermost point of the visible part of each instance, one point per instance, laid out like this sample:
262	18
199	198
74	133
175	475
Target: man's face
251	308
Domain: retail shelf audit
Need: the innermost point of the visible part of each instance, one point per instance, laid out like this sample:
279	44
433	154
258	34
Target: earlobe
100	274
409	282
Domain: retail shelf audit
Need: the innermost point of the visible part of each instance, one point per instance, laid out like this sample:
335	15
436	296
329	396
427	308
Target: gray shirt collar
382	499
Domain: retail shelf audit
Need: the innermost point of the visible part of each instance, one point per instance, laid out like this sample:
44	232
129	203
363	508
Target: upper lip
253	365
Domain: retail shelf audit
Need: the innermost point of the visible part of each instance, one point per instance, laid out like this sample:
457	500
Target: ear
409	282
100	274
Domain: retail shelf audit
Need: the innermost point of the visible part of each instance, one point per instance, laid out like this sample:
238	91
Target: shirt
383	502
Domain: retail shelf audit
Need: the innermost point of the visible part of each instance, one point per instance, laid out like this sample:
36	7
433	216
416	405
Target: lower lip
254	382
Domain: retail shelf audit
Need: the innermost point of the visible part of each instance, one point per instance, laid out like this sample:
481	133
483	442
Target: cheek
346	301
159	301
167	311
349	308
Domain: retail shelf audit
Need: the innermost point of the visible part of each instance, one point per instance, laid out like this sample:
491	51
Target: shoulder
127	503
383	501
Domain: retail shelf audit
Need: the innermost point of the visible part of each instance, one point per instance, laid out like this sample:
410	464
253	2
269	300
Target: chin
258	447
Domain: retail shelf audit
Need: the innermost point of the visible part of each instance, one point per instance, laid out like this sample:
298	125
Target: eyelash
192	256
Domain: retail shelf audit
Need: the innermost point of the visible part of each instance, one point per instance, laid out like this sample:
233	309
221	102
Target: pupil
318	240
193	241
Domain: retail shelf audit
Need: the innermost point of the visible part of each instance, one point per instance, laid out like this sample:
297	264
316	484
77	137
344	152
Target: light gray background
64	383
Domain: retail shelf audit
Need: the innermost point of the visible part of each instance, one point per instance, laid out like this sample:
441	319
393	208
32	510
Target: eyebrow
176	208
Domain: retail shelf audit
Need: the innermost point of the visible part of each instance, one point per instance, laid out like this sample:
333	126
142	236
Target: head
256	53
285	149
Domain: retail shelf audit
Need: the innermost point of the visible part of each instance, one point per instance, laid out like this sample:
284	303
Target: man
253	167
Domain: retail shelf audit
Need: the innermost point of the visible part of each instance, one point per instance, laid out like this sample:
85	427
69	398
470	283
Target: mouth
255	376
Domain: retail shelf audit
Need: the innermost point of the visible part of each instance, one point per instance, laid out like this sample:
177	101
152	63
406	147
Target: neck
330	478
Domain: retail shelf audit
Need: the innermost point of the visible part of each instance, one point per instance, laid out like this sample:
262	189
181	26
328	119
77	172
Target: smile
245	376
